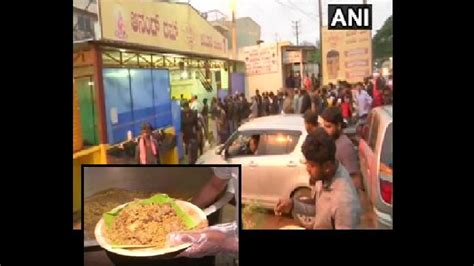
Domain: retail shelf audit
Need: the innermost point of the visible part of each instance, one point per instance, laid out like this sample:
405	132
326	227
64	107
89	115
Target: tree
383	41
315	57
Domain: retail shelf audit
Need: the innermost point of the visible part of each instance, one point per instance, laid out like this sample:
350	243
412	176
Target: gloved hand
221	238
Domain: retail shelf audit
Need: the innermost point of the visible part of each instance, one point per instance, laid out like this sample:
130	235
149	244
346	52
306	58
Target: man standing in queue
336	203
311	122
189	126
345	152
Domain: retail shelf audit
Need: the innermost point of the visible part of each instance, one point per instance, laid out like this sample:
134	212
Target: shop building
142	55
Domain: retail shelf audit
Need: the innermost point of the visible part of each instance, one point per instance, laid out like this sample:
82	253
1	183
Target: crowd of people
354	100
330	154
203	123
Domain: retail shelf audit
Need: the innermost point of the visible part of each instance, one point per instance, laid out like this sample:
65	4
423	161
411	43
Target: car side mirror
219	149
224	154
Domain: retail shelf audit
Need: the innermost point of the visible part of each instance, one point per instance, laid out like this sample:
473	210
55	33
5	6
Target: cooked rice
139	224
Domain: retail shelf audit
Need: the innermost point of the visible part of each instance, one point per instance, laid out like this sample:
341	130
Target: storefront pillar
100	95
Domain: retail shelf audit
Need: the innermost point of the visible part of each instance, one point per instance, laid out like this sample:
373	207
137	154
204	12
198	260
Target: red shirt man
307	83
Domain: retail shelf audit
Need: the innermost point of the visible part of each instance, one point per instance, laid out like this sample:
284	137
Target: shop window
80	22
84	23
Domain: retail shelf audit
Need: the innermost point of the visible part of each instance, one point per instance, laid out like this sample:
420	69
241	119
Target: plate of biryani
139	228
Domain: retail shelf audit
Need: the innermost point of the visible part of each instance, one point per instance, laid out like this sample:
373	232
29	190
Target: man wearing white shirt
364	101
195	105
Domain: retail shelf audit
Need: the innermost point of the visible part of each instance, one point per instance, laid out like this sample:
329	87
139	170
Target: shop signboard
177	27
260	59
346	55
290	57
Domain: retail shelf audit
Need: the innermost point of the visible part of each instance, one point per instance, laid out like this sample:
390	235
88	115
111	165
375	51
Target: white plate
191	209
292	227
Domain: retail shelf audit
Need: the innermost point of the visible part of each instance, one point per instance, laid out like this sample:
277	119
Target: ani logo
120	28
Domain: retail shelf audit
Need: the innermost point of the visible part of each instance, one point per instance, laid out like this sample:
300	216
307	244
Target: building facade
248	31
85	20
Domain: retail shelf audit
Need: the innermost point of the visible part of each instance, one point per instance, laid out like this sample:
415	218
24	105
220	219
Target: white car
277	169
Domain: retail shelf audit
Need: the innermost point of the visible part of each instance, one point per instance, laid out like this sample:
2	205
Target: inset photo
160	215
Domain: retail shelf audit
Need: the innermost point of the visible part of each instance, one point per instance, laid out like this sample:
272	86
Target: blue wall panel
117	96
142	98
139	96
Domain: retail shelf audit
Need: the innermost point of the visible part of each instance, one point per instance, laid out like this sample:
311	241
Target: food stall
108	187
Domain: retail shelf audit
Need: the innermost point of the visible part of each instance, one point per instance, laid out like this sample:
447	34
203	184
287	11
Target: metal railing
204	81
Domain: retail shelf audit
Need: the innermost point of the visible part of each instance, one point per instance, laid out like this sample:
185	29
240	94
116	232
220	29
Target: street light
233	4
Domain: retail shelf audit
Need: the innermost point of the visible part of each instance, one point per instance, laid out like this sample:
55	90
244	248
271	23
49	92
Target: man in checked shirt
336	203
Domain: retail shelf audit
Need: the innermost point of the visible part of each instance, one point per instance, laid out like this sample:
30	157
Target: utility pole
234	44
295	26
321	40
234	36
370	45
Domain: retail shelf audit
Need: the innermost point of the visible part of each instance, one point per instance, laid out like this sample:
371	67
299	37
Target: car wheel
304	195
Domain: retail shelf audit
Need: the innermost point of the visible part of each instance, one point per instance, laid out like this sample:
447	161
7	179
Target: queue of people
267	103
335	203
334	174
214	123
203	124
331	159
354	100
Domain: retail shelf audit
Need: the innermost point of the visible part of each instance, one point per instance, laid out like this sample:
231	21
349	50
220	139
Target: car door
363	146
277	167
236	153
372	159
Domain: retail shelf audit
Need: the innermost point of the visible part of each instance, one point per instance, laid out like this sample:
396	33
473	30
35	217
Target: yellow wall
184	87
265	83
224	79
191	87
94	155
170	157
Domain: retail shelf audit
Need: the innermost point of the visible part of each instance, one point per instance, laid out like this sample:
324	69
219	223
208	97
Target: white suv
277	169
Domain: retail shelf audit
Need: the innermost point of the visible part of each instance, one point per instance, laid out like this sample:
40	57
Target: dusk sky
275	16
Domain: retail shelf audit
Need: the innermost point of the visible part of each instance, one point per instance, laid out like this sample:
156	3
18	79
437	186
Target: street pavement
266	219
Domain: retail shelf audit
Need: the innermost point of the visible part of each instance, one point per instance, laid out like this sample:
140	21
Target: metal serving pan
183	183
